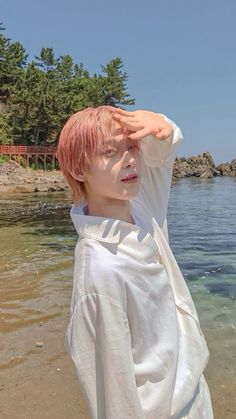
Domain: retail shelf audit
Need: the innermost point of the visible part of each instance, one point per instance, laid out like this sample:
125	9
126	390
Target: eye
109	152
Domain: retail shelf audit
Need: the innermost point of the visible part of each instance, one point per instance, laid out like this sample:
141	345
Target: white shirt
134	332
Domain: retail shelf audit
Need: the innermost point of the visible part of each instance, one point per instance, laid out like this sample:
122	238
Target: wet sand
41	383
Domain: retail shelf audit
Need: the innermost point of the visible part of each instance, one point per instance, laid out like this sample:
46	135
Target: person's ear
77	175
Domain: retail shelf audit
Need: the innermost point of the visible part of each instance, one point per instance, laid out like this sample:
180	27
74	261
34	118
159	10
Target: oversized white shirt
134	332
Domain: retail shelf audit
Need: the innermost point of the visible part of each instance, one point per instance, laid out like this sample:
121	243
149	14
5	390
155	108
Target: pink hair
81	139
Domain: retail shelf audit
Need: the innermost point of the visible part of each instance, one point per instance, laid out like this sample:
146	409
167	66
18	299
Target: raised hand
143	123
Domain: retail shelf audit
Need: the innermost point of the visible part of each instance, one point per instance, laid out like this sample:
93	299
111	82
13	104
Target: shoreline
31	188
16	179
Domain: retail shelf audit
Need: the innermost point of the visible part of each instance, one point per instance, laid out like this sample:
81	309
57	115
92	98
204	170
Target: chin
131	195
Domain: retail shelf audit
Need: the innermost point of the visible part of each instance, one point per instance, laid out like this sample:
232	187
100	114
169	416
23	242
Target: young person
134	333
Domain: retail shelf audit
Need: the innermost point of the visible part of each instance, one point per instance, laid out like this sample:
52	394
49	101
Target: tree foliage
5	130
37	97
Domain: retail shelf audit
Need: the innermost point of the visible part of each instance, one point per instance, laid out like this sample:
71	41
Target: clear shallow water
202	225
202	229
37	242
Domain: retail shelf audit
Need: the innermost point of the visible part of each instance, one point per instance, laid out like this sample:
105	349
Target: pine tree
114	83
40	95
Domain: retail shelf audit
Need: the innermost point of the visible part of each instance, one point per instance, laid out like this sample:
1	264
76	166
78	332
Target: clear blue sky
180	56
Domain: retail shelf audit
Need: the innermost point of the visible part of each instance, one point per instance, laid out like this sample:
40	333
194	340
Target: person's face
108	170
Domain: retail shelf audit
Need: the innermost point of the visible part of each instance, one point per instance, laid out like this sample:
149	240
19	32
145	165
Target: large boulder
199	166
227	169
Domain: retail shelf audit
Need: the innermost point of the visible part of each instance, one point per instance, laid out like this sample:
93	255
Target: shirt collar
98	228
110	230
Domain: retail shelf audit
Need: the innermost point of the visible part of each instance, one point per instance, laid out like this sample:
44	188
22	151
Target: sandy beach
42	384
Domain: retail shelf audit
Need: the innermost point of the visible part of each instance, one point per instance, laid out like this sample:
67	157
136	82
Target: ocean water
202	232
202	229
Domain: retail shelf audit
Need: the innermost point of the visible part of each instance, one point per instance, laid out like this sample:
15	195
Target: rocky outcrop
227	169
202	166
198	166
14	178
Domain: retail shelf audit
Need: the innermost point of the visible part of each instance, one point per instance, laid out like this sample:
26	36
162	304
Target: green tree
46	60
113	85
25	103
12	63
5	130
39	96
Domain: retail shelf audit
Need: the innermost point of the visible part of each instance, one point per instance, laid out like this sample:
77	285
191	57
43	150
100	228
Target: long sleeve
159	153
98	341
158	159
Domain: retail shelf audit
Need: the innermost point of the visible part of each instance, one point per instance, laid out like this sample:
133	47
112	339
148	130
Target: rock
227	169
14	178
26	188
39	344
201	166
207	174
41	188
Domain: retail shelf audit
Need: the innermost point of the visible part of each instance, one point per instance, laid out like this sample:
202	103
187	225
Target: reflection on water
37	241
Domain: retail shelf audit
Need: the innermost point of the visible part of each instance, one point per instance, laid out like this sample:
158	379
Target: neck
119	210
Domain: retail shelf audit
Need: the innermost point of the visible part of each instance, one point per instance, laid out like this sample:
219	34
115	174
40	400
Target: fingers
129	123
164	133
123	112
118	117
123	118
140	134
142	123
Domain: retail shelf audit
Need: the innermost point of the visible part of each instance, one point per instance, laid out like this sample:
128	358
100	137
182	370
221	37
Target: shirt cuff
161	152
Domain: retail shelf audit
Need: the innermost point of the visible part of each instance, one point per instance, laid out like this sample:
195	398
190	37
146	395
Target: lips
132	176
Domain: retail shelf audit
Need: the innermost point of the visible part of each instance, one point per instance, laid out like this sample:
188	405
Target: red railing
23	149
38	155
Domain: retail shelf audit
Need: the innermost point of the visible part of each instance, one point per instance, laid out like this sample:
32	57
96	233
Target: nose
129	160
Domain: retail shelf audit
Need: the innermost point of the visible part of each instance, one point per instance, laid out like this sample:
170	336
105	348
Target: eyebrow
116	144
